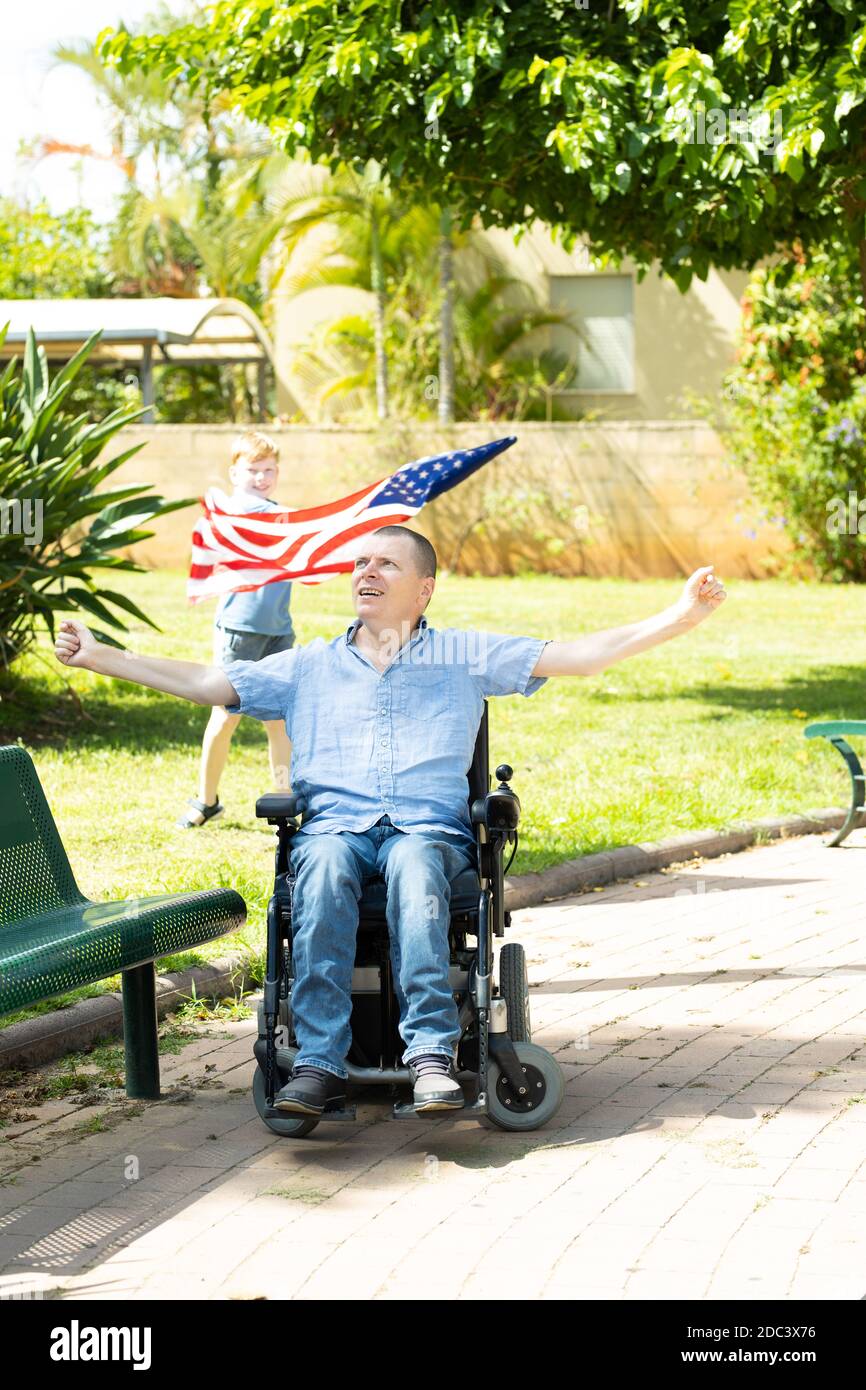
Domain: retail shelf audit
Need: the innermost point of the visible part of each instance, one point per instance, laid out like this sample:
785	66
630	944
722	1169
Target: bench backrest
35	874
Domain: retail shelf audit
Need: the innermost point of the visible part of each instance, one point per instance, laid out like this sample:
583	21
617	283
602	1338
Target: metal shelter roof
181	330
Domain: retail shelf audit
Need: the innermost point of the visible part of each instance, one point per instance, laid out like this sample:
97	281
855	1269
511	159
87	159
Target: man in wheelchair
383	723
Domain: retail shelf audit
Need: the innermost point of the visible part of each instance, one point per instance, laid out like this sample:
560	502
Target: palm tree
503	363
362	230
177	240
175	226
501	347
446	319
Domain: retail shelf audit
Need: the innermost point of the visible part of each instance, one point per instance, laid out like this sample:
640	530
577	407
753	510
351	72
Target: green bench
53	939
835	730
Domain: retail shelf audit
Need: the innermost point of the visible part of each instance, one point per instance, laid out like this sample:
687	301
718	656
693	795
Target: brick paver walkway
712	1143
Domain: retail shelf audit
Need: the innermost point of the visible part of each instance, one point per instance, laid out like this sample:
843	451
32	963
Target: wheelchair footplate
405	1110
331	1112
475	1104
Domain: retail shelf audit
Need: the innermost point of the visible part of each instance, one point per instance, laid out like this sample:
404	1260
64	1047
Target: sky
41	98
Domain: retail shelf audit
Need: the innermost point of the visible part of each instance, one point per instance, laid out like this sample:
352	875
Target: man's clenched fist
74	643
702	594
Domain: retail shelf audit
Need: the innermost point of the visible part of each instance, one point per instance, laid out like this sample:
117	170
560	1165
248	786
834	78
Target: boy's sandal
190	821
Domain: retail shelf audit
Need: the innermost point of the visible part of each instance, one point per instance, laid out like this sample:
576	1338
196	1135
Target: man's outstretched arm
75	645
587	656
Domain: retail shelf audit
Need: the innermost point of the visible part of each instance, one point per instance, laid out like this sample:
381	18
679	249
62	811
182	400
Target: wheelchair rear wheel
287	1126
544	1094
514	988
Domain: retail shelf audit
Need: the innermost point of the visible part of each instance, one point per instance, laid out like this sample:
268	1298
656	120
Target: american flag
233	551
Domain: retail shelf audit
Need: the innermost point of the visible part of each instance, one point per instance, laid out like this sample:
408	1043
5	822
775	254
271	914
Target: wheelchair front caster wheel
544	1092
287	1126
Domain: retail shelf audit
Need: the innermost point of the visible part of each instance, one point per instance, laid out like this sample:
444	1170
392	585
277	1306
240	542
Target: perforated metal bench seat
53	938
79	944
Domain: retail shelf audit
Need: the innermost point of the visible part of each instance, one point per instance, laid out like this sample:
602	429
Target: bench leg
139	1032
858	790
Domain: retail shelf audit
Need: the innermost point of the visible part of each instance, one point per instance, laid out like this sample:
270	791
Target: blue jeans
330	872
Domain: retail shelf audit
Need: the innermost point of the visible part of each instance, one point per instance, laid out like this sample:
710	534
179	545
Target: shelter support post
262	388
147	383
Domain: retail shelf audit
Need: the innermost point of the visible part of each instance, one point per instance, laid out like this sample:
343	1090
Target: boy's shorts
230	644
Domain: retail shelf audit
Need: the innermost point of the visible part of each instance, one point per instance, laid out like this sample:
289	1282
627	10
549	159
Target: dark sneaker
435	1084
310	1090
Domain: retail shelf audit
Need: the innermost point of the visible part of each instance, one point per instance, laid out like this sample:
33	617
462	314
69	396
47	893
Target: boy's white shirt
239	501
247	501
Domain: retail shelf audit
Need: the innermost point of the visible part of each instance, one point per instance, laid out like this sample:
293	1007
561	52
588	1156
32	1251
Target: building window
602	309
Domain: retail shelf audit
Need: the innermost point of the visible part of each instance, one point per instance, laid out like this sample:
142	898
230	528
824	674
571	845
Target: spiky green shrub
57	529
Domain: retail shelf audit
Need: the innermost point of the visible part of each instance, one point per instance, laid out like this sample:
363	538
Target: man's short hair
422	551
252	445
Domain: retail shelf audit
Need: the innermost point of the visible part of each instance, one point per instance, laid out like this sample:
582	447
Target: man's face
258	478
387	589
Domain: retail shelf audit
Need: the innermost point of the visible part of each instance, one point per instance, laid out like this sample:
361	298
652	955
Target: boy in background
247	627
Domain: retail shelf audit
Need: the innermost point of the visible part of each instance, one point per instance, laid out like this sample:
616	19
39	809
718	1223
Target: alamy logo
22	517
846	518
696	125
77	1343
450	647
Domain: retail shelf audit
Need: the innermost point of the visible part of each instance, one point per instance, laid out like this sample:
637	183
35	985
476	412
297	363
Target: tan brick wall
660	497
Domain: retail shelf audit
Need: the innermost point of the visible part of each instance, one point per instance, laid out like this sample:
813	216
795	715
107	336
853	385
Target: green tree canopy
689	134
48	255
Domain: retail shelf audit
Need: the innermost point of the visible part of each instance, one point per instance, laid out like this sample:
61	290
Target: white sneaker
435	1084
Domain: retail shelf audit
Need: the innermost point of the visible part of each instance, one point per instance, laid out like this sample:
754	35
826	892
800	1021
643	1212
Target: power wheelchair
505	1076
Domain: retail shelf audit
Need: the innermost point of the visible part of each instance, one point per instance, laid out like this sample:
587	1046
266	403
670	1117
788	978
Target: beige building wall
683	343
631	499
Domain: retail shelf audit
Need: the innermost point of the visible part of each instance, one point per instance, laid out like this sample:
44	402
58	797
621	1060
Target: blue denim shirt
399	743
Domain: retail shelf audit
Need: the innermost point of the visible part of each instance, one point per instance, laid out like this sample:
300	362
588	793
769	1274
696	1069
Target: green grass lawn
695	734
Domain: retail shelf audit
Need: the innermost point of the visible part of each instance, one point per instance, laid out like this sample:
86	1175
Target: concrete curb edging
43	1039
591	870
48	1036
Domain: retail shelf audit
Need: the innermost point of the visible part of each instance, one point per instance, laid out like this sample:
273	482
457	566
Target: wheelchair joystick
501	807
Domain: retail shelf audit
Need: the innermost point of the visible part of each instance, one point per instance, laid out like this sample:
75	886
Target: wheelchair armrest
276	806
499	809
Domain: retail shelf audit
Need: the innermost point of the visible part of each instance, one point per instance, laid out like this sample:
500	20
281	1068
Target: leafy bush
207	392
50	470
48	255
796	407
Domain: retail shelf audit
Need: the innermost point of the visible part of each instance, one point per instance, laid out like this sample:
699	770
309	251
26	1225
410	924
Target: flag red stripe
250	537
290	553
360	529
259	559
196	571
318	559
310	513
